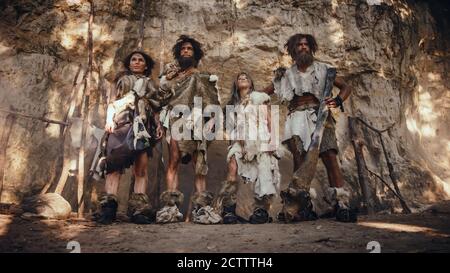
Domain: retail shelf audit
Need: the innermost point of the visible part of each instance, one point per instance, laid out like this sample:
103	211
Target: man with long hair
301	86
184	81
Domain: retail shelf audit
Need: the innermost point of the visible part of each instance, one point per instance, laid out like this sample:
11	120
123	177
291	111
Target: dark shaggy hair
292	42
148	62
235	96
198	52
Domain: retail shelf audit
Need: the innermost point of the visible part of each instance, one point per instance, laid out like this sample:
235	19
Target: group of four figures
141	114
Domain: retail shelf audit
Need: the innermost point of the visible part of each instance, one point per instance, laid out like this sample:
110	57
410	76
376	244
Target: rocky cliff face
393	53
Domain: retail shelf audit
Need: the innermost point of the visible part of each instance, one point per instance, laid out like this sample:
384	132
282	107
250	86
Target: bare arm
269	90
111	111
159	130
344	88
344	92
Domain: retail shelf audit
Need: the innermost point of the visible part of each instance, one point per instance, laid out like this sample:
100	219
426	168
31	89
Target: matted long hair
235	96
198	52
291	44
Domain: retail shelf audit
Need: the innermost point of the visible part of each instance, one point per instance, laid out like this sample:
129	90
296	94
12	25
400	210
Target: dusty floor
428	231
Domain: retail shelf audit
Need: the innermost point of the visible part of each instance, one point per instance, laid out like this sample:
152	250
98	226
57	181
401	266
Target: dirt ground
428	231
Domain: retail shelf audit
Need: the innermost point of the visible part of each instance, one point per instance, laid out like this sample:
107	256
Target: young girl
251	157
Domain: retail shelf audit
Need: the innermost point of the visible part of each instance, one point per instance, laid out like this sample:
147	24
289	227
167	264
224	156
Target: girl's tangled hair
235	96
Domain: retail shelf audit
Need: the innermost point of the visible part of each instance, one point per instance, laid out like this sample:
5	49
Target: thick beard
186	62
304	59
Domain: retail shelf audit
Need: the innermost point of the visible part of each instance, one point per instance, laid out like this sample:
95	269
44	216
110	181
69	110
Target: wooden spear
84	116
36	117
392	175
362	172
6	132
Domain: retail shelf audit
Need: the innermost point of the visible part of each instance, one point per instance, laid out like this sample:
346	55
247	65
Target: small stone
49	206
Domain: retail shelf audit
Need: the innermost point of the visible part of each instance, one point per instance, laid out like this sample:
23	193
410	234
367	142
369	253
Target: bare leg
232	169
140	173
172	169
228	192
200	180
112	183
290	211
298	157
335	177
343	212
108	203
200	183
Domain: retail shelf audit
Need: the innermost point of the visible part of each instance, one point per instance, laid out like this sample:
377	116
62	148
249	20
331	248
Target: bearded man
301	86
186	83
